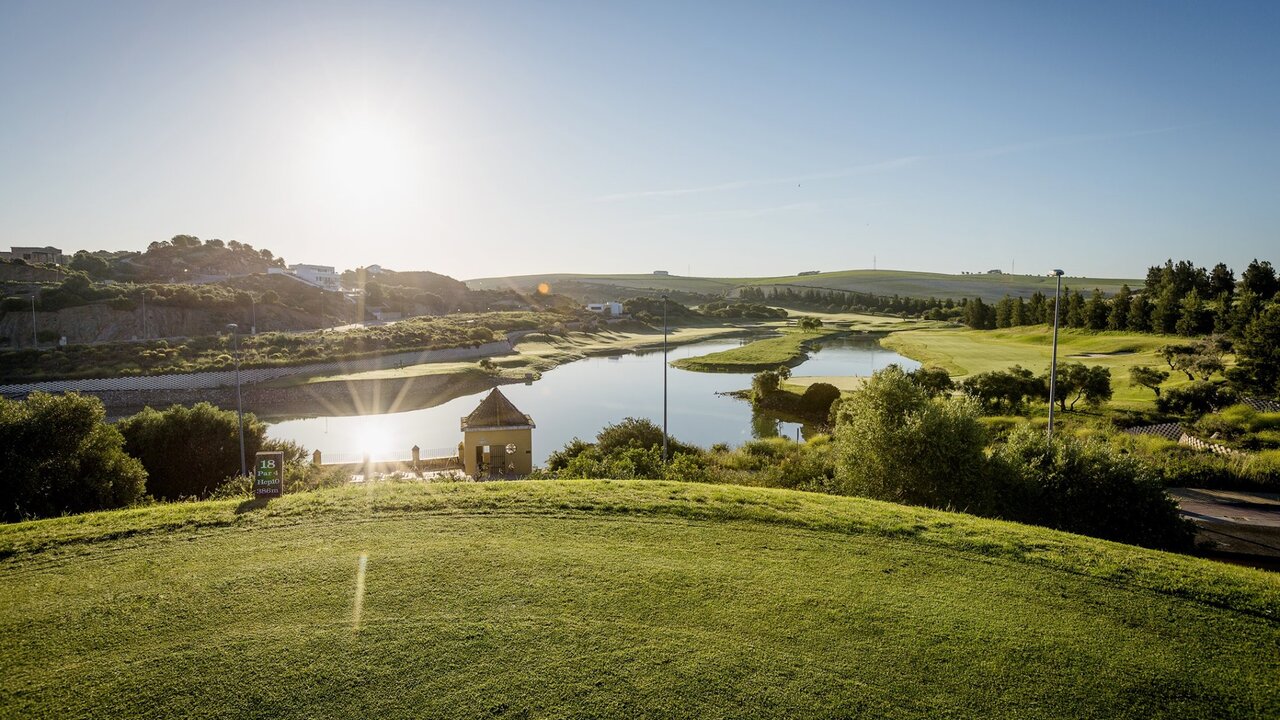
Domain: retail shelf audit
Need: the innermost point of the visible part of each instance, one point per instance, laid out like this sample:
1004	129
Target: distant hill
989	287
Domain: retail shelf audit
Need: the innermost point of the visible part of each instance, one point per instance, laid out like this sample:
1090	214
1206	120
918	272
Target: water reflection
577	399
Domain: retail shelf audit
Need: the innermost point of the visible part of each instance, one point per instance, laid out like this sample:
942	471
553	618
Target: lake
579	398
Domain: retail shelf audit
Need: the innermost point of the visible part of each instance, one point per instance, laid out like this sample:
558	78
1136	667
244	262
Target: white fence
250	376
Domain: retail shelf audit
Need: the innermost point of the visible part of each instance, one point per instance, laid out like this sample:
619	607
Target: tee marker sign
268	475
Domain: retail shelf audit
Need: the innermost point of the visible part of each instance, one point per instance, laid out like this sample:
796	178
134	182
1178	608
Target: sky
715	139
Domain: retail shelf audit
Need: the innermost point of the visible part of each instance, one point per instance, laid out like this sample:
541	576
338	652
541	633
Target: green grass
599	598
765	354
965	352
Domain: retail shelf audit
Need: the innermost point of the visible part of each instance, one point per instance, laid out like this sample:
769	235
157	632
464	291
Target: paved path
1247	523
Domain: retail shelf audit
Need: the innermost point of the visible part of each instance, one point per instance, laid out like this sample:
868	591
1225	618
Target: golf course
609	598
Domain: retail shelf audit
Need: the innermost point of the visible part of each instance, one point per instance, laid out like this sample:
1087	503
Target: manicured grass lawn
617	599
965	352
844	383
764	354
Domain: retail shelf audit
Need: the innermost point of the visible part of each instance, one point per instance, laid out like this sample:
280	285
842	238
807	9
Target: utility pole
35	342
235	337
1053	362
664	379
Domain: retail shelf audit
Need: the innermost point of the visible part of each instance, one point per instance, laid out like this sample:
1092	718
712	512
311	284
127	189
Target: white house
318	275
612	309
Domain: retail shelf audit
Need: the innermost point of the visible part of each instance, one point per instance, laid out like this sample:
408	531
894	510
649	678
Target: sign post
268	475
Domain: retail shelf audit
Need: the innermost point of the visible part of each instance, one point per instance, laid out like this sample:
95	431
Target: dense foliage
190	451
59	456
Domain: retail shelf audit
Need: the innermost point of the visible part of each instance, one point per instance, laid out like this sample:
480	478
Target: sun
361	157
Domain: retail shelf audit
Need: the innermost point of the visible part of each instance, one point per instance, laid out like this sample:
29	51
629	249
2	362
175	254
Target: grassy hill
599	598
880	282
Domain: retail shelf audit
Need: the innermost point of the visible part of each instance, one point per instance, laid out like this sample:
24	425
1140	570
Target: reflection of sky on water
581	397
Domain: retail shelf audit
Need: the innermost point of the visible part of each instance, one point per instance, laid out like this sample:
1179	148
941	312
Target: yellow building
497	439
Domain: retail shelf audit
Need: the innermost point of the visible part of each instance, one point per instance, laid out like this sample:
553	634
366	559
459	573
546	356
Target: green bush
894	442
59	456
1087	488
190	451
818	397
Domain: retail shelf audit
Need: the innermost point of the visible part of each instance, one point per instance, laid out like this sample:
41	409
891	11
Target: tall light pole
664	379
35	342
1053	363
235	337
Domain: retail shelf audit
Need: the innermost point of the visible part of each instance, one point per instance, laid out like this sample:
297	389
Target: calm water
581	397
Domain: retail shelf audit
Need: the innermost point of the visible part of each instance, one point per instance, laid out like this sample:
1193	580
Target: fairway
966	352
598	598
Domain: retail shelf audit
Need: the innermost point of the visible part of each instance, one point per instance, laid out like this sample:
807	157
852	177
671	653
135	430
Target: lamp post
235	338
664	379
1053	362
35	342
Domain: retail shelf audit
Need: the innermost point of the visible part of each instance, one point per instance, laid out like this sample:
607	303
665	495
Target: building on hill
612	309
322	276
47	254
497	438
661	272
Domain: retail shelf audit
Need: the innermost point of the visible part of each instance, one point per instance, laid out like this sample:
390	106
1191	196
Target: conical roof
496	411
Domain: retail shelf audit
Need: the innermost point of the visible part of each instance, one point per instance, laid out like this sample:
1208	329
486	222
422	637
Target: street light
235	337
35	340
1053	363
664	379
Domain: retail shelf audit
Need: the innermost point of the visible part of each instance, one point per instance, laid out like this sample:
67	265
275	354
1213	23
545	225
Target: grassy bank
788	348
965	352
535	353
597	598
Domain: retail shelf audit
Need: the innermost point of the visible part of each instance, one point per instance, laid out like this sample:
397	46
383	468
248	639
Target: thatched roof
496	411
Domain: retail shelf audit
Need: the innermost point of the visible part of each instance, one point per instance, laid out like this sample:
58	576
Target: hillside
599	598
880	282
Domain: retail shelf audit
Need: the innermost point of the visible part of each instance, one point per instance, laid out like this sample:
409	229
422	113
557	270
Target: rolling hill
880	282
603	598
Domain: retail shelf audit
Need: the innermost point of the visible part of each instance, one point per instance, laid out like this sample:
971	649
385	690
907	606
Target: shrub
190	451
1086	487
1195	399
59	456
637	433
818	397
894	442
933	380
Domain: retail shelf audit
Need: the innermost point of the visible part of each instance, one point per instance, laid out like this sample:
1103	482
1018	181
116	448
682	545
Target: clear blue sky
487	138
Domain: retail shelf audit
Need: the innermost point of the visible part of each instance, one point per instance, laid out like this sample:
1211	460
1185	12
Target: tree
60	456
1196	399
190	451
934	381
1164	312
1147	377
1096	311
1222	281
979	315
764	383
1260	279
1092	384
895	443
1193	317
1258	354
1004	390
1075	310
91	265
1118	317
1139	314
